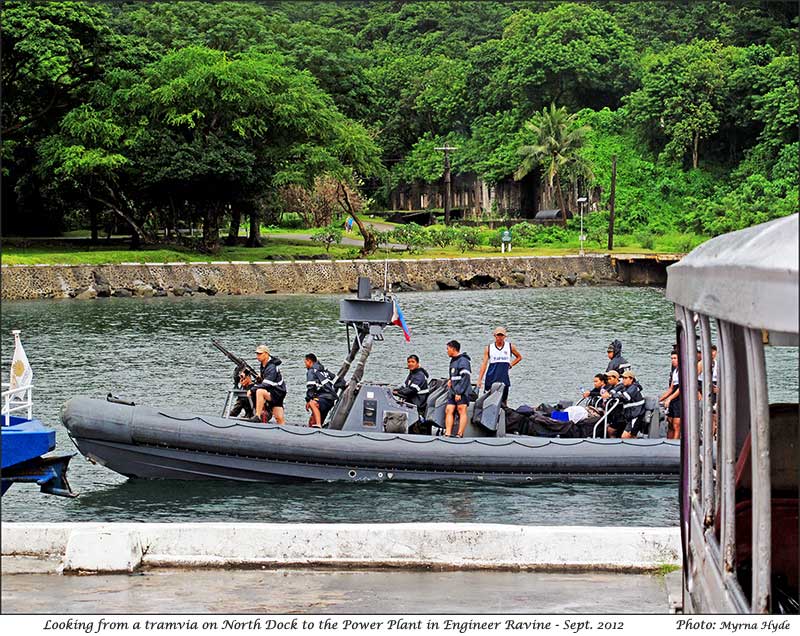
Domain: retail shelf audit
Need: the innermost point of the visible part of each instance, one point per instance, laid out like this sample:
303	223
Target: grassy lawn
272	249
297	249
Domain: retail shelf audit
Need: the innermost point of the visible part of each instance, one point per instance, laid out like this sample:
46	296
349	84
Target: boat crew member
499	356
244	404
610	395
671	399
320	392
270	390
612	384
632	405
713	375
714	387
615	360
415	388
592	396
458	388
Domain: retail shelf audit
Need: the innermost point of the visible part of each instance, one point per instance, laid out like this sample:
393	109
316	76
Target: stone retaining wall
161	279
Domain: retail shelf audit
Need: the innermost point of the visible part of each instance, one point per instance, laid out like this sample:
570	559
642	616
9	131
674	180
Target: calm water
158	352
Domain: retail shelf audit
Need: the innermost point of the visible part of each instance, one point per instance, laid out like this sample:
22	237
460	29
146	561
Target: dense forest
163	114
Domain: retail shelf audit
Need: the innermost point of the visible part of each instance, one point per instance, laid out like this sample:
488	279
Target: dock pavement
32	587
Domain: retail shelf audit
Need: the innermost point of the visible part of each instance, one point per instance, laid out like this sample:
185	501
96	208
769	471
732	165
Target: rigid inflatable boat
371	435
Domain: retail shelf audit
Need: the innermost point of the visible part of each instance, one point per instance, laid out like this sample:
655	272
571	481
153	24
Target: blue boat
27	444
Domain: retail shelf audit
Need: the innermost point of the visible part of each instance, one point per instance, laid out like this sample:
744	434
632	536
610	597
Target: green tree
558	140
572	54
52	52
208	131
682	93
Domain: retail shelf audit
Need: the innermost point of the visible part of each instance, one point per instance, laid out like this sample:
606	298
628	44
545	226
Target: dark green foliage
170	113
468	238
443	236
412	235
329	235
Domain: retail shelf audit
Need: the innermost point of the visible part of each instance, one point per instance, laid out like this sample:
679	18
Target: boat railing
16	400
230	400
613	404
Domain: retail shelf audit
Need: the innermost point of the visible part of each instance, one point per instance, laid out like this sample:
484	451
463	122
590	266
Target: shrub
328	235
551	234
496	237
645	239
525	234
468	238
442	236
412	235
685	244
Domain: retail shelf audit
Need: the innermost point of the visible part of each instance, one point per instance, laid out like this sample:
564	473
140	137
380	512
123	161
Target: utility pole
447	150
611	202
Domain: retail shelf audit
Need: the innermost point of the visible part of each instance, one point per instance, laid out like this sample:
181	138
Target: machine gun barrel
241	363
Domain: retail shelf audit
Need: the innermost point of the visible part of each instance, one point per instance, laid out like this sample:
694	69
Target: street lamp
581	201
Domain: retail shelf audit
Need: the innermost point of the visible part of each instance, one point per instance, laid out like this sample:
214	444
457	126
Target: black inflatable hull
153	443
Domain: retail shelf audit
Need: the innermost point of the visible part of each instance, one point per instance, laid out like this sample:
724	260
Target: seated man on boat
415	388
459	387
270	390
615	360
320	392
593	397
499	356
632	405
610	395
244	403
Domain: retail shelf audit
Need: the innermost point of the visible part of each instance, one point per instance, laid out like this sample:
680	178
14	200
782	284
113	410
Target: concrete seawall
120	547
178	279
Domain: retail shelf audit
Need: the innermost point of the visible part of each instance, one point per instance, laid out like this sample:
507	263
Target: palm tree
558	140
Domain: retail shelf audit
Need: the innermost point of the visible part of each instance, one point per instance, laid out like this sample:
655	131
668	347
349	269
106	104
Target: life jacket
320	383
460	375
271	377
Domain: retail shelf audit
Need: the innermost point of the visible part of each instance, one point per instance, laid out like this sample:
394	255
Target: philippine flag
399	320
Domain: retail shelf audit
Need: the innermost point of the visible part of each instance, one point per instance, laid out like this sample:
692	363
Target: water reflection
642	503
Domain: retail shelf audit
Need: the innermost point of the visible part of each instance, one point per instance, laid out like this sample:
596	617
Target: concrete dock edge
114	547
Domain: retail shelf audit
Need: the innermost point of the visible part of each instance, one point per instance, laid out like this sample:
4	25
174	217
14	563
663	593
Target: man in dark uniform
615	360
593	395
243	403
415	388
458	388
320	392
270	391
610	394
632	405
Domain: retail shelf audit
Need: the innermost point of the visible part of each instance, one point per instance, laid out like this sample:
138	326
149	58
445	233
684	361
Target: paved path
283	591
346	239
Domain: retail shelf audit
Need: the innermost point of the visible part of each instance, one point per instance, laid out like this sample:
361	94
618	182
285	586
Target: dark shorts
615	429
325	406
277	397
674	409
464	401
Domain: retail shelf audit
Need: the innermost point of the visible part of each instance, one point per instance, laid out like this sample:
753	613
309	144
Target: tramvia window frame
715	290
